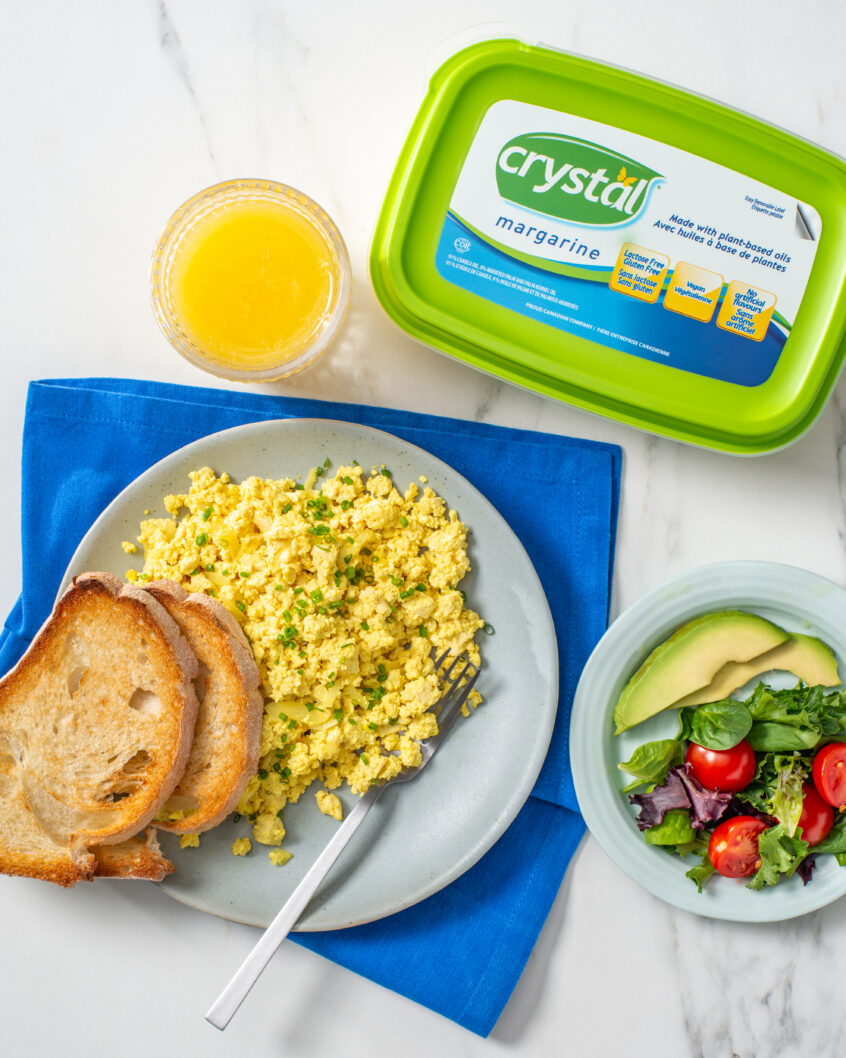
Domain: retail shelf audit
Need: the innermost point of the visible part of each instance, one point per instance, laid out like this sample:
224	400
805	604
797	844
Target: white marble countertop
112	114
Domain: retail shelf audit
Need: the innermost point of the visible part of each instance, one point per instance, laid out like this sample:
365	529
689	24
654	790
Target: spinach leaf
674	829
835	840
776	789
795	719
701	873
716	725
780	855
651	761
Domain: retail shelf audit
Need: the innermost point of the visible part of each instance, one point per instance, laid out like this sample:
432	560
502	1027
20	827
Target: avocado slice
690	659
805	656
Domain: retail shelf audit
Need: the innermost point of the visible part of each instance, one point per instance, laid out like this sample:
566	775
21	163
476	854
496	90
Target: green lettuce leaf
674	829
776	789
835	840
651	762
780	855
795	719
701	873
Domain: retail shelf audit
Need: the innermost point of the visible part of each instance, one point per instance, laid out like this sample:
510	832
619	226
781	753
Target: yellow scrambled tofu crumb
189	841
241	846
346	589
132	575
129	547
329	804
279	856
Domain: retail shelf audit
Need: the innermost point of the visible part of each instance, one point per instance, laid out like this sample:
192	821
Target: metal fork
457	689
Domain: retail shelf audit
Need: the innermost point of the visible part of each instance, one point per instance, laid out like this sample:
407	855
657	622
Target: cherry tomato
733	848
817	817
830	773
723	769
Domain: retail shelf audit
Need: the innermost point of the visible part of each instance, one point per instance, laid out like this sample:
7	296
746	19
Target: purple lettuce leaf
680	790
741	808
806	868
661	800
707	806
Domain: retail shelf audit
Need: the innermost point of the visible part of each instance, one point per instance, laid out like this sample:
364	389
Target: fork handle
250	970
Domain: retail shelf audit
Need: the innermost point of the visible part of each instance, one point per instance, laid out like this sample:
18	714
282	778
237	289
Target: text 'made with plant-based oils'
623	240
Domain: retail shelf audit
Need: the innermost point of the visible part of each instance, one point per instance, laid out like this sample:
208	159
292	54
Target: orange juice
248	279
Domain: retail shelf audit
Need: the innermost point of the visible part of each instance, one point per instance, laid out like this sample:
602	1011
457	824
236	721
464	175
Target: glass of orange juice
250	280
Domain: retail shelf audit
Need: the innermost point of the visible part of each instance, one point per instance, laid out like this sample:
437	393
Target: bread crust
136	857
227	736
55	813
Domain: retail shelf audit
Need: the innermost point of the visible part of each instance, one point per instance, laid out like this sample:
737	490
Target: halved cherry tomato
817	817
830	773
723	769
733	848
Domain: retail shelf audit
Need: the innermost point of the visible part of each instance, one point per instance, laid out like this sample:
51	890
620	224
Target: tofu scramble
346	590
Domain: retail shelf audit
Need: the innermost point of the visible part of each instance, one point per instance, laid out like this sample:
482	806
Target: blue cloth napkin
461	951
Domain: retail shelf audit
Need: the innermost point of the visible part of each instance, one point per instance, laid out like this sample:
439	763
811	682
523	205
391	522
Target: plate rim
516	796
668	598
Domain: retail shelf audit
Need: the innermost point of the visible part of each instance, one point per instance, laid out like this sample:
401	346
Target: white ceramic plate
797	600
421	835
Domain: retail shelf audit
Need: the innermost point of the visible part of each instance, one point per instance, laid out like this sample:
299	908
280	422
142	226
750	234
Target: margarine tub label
626	241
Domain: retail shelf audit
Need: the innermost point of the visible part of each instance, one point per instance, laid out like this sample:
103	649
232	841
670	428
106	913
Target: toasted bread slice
227	735
96	722
136	857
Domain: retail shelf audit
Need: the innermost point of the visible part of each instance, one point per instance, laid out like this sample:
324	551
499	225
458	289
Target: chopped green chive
373	727
419	587
396	580
392	720
339	714
309	706
241	606
423	630
244	574
365	626
317	596
207	513
351	721
488	629
364	759
287	507
201	538
210	567
404	522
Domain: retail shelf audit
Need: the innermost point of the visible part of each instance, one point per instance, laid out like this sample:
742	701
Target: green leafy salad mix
775	737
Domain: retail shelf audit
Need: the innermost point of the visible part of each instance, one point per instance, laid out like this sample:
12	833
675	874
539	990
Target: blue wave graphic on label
591	309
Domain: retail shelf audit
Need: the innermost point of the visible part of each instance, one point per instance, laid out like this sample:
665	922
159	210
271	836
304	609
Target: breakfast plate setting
493	818
419	838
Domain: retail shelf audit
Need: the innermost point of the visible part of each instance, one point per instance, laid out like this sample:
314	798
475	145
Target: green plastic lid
619	244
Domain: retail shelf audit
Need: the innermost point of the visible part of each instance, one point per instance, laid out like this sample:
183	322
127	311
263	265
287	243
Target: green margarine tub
620	245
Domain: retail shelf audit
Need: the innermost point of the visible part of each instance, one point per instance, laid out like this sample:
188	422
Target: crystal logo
572	179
